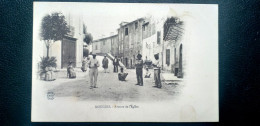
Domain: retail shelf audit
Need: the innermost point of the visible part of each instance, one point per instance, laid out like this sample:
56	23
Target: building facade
164	37
130	41
106	45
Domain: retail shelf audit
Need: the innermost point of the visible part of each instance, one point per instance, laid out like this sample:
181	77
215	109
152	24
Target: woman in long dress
84	64
70	70
49	75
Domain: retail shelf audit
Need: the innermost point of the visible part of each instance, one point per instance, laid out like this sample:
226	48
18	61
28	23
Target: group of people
93	64
139	71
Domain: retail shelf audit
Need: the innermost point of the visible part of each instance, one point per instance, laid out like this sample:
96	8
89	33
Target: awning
172	29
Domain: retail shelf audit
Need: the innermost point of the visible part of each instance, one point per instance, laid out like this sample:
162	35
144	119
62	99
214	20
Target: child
148	74
122	75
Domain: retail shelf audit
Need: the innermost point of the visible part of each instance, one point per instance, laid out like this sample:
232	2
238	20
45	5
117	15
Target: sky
104	18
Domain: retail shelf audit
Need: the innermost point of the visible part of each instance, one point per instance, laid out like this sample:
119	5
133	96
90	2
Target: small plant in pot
45	65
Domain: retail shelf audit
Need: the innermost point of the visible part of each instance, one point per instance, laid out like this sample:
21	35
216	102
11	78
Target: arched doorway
180	74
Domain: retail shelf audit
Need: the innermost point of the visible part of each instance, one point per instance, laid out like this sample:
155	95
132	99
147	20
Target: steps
169	78
111	57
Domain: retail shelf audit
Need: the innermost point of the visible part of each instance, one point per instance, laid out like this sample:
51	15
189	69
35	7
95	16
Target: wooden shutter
168	57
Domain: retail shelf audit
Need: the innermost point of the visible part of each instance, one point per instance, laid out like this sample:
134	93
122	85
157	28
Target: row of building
148	37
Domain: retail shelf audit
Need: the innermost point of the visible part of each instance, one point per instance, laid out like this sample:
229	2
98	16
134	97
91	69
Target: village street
110	88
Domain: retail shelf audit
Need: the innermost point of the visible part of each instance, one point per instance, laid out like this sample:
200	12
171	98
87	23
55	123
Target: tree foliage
53	28
87	36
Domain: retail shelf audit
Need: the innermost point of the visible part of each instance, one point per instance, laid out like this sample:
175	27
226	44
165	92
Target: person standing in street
93	71
84	64
116	64
105	64
157	71
139	70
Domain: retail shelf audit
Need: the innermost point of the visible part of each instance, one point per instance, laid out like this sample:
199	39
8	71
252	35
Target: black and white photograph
124	62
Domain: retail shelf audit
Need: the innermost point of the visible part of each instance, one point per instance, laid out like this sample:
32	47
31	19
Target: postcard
125	62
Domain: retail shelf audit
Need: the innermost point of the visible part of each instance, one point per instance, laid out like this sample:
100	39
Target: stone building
173	46
165	37
106	45
130	41
149	39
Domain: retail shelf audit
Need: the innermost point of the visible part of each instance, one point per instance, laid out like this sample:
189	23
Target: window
143	28
126	31
103	42
96	47
136	25
158	37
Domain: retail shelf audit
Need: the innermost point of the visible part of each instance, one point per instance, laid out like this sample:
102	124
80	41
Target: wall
105	45
130	45
96	47
76	21
114	46
55	51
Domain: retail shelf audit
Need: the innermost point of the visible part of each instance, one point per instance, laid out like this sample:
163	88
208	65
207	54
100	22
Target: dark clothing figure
70	71
139	76
157	78
139	70
116	64
122	75
105	64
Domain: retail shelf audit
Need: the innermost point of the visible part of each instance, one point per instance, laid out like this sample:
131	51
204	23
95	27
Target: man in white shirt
93	71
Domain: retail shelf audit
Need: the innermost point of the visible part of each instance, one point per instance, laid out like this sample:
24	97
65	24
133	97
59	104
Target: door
168	57
131	63
68	52
180	61
126	62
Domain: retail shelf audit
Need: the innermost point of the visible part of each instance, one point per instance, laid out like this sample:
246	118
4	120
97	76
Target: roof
133	21
172	30
98	40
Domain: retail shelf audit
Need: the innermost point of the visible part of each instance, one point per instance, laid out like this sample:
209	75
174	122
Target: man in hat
93	71
139	70
105	64
116	64
157	71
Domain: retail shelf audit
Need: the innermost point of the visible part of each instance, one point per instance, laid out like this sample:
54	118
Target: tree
87	36
53	28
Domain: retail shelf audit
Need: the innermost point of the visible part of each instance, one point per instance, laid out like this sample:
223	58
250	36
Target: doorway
68	52
180	62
